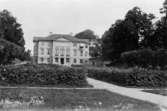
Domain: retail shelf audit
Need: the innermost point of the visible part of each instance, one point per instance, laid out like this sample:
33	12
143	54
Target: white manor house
61	49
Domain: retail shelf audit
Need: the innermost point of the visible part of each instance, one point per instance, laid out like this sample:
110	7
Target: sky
40	17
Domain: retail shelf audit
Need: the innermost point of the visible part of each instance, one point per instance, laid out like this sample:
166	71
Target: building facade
61	49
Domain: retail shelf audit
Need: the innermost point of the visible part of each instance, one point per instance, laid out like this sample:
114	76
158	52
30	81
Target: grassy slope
72	98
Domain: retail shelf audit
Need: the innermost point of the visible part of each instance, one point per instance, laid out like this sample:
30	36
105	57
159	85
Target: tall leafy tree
11	39
159	38
10	29
128	34
86	34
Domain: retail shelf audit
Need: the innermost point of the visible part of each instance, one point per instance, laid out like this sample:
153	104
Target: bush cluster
145	58
139	77
37	75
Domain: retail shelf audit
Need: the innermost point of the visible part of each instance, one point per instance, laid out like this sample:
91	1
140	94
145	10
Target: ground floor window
48	59
67	60
41	59
75	60
81	60
62	60
57	59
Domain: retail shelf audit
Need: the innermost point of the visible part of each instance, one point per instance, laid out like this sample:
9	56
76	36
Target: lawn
24	99
162	92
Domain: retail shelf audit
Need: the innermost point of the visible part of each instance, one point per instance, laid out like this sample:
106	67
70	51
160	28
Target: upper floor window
86	46
62	51
49	44
48	51
42	43
75	52
86	53
42	51
67	51
41	59
75	44
81	53
56	51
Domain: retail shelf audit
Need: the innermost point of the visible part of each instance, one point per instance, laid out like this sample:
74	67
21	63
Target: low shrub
37	75
145	58
139	77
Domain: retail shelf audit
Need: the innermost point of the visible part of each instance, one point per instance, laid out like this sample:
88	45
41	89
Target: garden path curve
130	92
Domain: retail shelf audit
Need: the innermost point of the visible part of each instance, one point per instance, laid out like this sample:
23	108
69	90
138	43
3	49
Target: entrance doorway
62	60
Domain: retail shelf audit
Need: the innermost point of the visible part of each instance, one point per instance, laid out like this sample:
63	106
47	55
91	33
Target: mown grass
70	99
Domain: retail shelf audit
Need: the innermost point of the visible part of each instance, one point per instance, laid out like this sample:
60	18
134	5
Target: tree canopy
10	29
159	39
127	34
11	39
86	34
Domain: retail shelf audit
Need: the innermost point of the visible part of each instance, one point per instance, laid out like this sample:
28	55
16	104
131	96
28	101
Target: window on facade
81	53
42	51
86	46
62	51
81	60
56	51
41	59
42	43
49	60
57	59
75	44
48	51
67	60
67	51
49	44
75	61
75	52
86	53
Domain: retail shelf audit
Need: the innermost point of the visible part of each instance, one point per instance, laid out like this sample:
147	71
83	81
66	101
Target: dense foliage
10	29
127	34
86	34
137	40
145	58
37	75
11	39
131	77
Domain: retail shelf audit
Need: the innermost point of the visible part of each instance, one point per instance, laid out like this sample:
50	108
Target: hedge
42	75
145	58
139	77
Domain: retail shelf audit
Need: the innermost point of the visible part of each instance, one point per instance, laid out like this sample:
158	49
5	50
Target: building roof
54	37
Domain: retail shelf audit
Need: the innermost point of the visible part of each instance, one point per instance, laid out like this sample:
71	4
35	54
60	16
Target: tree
11	39
86	34
159	38
89	35
10	29
96	52
128	34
